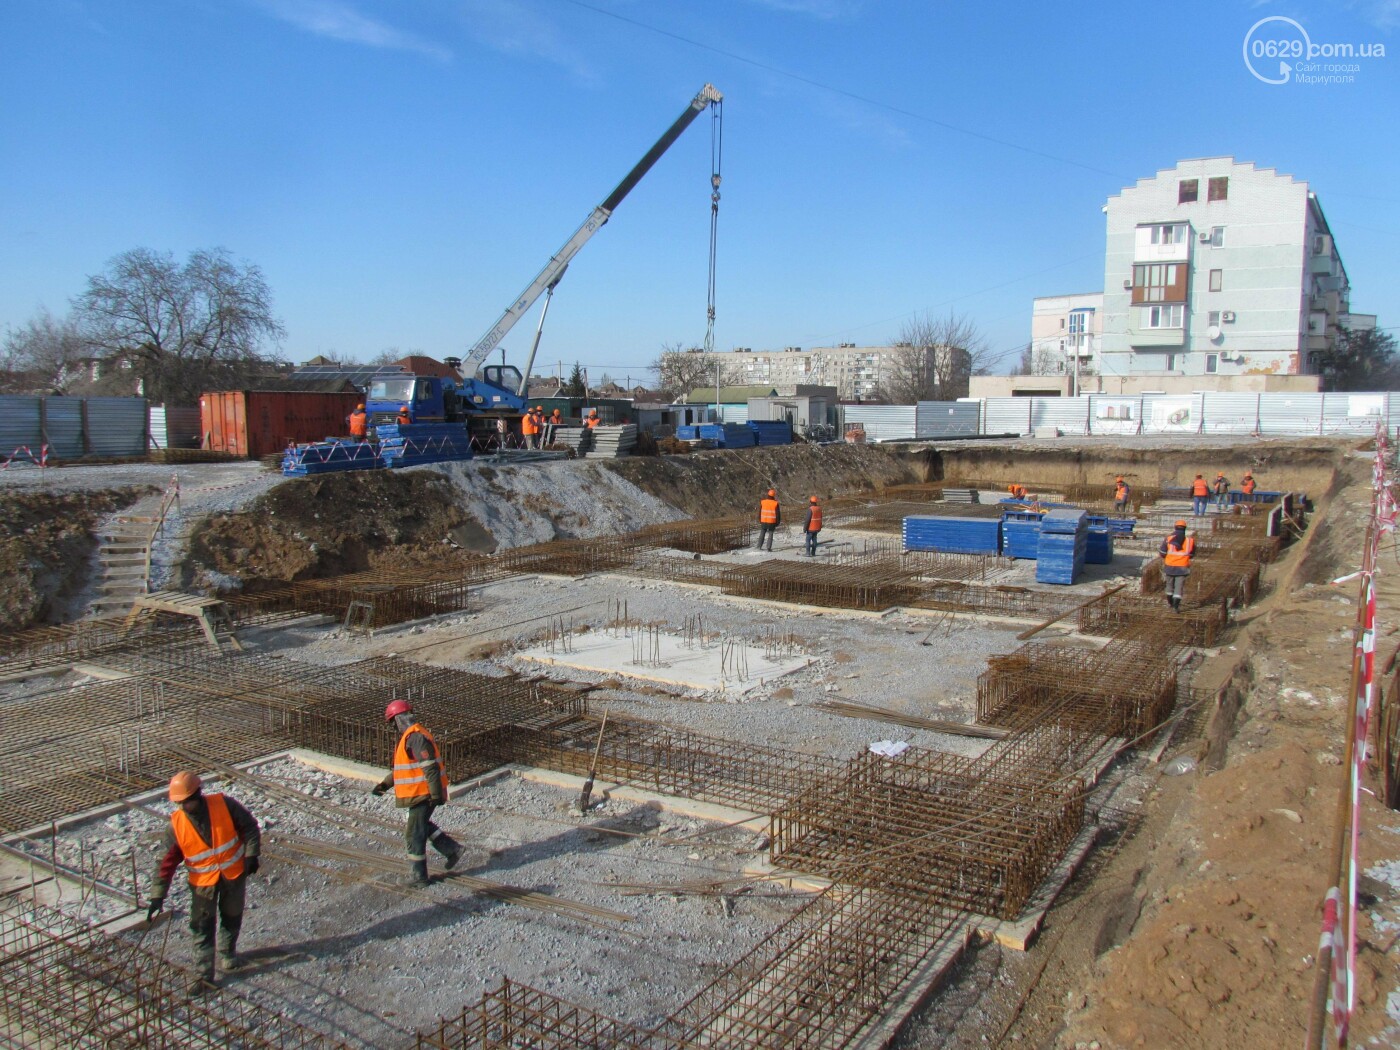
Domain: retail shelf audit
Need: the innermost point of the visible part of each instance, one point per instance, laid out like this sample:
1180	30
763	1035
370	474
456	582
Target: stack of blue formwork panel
738	435
687	432
953	535
1020	533
330	457
1064	537
1120	525
771	431
414	443
1098	548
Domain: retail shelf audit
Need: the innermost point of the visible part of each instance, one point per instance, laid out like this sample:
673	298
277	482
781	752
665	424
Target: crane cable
716	157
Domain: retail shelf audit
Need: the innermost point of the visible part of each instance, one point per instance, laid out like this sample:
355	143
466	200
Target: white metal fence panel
175	426
1353	413
1171	414
1290	413
1230	413
733	413
935	419
1008	415
1115	414
1068	415
882	422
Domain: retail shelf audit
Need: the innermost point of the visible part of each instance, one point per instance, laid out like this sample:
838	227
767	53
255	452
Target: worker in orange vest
403	419
812	525
359	423
1200	493
539	425
592	420
419	781
1176	551
553	423
770	516
1247	484
219	841
1121	490
527	427
1221	486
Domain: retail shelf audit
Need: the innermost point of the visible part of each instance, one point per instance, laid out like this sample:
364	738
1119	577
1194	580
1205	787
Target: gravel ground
375	962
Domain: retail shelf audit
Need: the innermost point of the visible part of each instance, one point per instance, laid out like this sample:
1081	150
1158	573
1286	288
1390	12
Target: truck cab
430	399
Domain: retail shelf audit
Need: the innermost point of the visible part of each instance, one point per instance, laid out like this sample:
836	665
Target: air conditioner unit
1128	285
1205	237
1227	317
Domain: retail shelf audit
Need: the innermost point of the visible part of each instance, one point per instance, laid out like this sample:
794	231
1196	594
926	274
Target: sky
401	169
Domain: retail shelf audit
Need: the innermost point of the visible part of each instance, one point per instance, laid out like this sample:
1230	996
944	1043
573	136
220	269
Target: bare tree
46	355
932	360
680	369
181	329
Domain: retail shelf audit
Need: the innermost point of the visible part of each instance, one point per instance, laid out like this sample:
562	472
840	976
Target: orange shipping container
255	423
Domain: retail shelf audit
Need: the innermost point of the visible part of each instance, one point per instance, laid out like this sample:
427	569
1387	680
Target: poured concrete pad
668	661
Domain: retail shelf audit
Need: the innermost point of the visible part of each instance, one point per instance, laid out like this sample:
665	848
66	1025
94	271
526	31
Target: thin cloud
339	21
520	29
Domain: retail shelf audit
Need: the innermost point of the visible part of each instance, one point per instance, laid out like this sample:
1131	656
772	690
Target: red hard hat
183	785
396	708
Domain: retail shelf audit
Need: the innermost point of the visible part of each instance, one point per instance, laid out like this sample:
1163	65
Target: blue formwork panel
953	535
330	457
1064	539
1123	526
771	431
1020	539
1098	548
687	432
738	435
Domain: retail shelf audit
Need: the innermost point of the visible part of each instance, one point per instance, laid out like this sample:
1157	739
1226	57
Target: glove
378	789
154	908
251	866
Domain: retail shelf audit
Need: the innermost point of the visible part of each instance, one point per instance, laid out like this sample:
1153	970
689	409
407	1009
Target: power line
867	100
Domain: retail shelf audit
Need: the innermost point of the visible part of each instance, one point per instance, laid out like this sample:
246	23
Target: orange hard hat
404	408
1181	524
811	499
360	405
1118	478
183	785
1248	474
396	708
1220	474
539	408
772	492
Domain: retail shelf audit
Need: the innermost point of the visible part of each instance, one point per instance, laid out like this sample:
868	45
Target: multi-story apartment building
1066	330
857	372
1219	268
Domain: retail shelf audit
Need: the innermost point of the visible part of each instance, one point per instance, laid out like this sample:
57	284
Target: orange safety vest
527	424
1248	486
591	422
816	525
1180	557
1200	488
556	418
357	423
1120	492
768	511
207	862
410	779
403	419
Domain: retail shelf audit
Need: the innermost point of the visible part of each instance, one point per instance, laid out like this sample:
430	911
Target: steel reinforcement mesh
67	985
878	585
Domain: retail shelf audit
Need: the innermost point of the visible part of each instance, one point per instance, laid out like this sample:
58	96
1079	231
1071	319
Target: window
1218	189
1174	233
1186	191
1213	319
1217	236
1076	323
1159	283
1062	322
1165	316
1216	277
1212	362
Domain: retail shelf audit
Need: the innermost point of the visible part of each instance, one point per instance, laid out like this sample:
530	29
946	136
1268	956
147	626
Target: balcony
1138	337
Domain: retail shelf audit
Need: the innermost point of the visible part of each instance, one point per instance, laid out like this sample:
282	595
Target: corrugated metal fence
1108	414
74	427
175	426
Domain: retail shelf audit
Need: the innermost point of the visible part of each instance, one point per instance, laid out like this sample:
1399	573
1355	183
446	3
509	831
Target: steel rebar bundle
876	586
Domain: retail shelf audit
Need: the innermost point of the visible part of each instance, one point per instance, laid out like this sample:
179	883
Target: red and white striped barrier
41	460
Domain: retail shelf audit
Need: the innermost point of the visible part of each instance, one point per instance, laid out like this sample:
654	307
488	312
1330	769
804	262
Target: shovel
592	767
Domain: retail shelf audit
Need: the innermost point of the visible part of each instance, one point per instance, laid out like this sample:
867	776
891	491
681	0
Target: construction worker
539	426
592	420
219	842
419	780
1200	493
812	525
359	423
552	425
1176	551
1247	484
770	516
1222	492
403	419
1121	491
528	430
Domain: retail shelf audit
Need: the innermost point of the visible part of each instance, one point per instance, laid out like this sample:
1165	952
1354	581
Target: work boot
417	874
231	963
201	986
449	848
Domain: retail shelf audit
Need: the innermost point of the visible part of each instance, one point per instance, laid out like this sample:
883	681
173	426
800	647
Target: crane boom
553	271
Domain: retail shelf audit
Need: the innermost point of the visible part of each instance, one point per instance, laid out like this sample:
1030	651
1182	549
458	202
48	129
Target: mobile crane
443	412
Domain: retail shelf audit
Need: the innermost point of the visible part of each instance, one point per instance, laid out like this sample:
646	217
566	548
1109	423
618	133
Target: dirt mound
338	523
46	546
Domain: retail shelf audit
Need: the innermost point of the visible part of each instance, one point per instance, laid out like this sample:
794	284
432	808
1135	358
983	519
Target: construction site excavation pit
622	919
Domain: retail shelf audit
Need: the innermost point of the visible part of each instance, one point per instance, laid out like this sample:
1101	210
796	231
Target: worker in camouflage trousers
770	516
812	526
419	782
219	841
